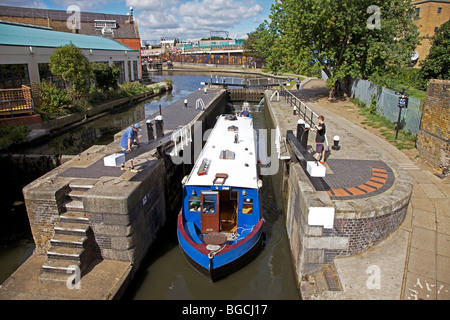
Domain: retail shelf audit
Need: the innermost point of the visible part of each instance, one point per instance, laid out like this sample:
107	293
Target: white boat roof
242	168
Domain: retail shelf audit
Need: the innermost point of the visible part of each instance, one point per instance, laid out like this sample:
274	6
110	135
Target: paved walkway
104	281
414	262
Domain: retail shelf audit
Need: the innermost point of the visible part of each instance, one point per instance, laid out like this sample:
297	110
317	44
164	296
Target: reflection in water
102	131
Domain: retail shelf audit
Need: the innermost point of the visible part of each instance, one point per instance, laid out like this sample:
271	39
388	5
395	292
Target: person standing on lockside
320	130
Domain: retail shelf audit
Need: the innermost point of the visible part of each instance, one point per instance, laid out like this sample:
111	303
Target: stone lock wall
357	226
125	216
433	139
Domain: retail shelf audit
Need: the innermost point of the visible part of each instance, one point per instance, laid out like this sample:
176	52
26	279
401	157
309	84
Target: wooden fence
16	101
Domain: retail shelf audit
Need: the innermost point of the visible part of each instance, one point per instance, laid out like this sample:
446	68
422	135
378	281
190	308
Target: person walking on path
128	138
298	84
320	130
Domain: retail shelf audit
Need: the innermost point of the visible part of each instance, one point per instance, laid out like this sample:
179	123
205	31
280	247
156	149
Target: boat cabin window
247	207
194	204
209	204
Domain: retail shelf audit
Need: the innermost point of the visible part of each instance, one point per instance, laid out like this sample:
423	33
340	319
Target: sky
186	20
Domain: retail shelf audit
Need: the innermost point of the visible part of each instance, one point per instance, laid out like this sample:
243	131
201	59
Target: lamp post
402	103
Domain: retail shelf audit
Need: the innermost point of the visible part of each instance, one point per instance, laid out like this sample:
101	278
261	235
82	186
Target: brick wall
433	140
363	233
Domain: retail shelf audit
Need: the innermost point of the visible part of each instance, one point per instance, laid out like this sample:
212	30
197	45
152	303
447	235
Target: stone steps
67	253
68	240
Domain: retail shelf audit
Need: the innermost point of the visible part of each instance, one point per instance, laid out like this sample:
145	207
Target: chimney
131	19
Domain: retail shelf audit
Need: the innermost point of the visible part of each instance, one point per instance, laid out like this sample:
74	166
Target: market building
25	51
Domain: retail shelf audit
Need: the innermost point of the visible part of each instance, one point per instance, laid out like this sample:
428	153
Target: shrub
53	100
12	135
72	65
105	76
133	88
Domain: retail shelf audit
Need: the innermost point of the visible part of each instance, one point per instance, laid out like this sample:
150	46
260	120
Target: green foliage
70	63
373	105
333	35
105	76
387	128
259	44
168	81
53	100
133	88
12	135
437	63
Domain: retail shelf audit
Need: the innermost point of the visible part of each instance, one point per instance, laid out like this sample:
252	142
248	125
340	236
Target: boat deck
231	152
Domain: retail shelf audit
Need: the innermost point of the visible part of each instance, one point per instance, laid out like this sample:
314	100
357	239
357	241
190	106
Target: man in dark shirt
320	139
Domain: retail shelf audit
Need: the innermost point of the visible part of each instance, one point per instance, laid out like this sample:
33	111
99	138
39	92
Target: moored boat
220	224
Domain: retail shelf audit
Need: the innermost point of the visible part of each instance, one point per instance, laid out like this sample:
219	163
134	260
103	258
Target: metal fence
387	104
299	107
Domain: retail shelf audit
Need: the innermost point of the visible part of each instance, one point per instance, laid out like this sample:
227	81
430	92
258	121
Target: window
121	66
247	207
439	10
436	29
194	204
99	24
417	14
135	70
13	75
209	204
129	71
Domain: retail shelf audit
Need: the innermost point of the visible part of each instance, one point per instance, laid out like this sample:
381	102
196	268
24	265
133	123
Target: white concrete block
321	216
114	160
315	169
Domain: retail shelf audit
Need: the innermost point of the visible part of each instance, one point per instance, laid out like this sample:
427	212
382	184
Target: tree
437	64
338	36
105	76
259	45
72	65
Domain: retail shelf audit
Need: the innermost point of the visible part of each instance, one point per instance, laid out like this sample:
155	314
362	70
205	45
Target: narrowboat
220	226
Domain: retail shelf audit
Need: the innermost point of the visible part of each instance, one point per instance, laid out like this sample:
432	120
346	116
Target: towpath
413	262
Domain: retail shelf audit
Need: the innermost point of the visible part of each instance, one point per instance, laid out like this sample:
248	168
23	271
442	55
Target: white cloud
193	19
157	20
25	3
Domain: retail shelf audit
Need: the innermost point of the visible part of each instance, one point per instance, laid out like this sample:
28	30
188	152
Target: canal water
165	274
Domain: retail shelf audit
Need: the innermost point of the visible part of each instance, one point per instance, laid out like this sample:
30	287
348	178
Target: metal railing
300	107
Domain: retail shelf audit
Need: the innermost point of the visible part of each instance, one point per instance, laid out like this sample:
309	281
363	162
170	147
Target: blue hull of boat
223	262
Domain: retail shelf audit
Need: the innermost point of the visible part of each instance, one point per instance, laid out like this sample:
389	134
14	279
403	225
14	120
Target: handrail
200	104
297	104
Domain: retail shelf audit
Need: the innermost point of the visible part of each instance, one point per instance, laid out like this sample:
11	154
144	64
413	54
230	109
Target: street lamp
402	103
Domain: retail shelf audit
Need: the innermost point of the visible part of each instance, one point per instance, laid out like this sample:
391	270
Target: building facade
25	51
429	16
121	28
